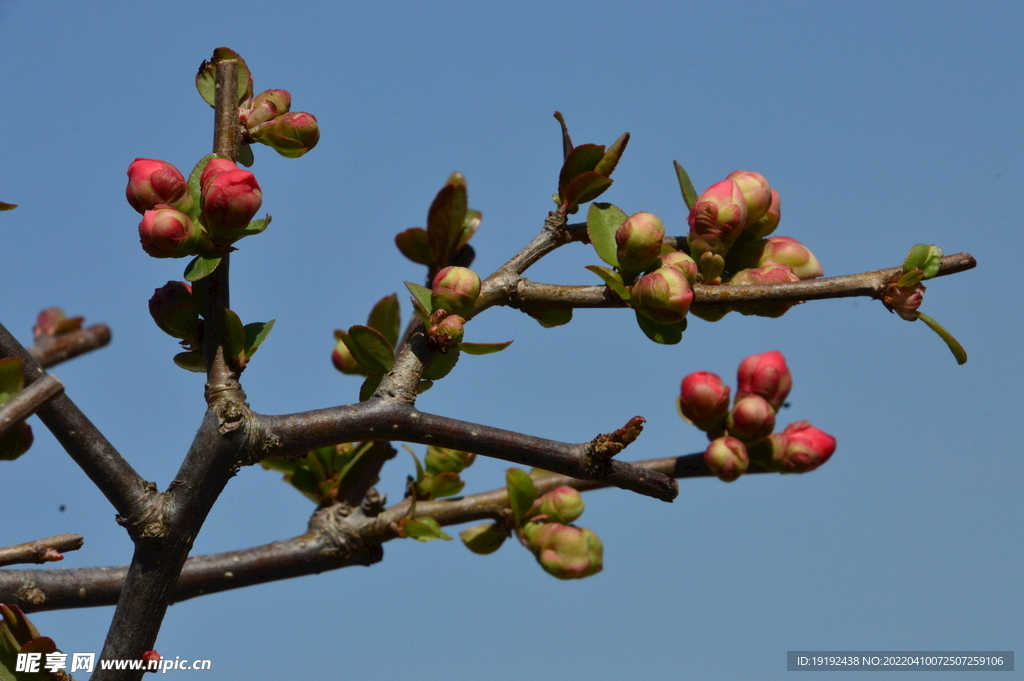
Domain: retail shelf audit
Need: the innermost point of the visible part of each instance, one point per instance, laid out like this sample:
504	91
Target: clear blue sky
882	125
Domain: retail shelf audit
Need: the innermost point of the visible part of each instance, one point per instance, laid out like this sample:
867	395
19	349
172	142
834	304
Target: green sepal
550	317
603	220
446	218
7	206
911	278
685	186
582	159
421	529
194	187
386	318
611	157
441	365
235	346
370	348
924	257
255	227
245	156
369	387
484	539
566	140
521	493
483	348
11	380
202	266
255	334
421	300
191	361
585	187
207	76
952	343
414	244
665	334
612	280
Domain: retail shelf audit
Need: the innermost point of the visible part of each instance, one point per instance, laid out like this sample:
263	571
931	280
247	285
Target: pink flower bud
174	311
561	505
801	448
717	218
455	289
904	300
768	222
766	375
768	274
154	182
685	263
344	361
169	233
565	551
266	106
756	191
704	400
784	250
448	332
229	201
751	418
290	135
663	296
639	242
727	458
214	167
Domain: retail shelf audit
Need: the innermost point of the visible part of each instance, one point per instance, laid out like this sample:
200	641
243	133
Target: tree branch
41	550
28	401
52	350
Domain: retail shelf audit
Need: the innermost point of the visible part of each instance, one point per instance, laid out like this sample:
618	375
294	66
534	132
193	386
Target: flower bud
784	250
154	182
768	222
169	233
717	218
565	551
727	458
214	167
768	274
766	375
801	448
344	362
639	242
229	201
174	311
704	400
561	505
448	332
455	289
904	300
663	296
291	135
685	263
751	418
756	191
266	106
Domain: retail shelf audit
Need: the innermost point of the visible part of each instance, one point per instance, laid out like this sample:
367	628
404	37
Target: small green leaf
11	379
469	227
446	218
585	187
665	334
414	244
603	219
445	485
255	227
255	334
443	460
925	258
441	365
582	159
421	529
911	278
612	280
611	157
201	266
245	156
952	343
386	318
550	317
521	493
191	361
483	348
7	206
235	347
420	474
421	300
370	348
16	441
566	140
423	386
286	466
206	78
685	186
369	387
485	538
306	482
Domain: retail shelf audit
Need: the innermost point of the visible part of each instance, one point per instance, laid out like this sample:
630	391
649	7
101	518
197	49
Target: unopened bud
174	311
639	242
717	218
230	199
448	332
153	182
291	135
704	400
169	233
683	262
455	289
727	458
756	191
266	106
768	222
565	551
751	418
343	360
784	250
766	375
561	505
663	296
484	539
904	300
768	274
801	448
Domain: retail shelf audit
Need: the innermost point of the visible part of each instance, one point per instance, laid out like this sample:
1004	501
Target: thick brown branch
41	550
29	401
52	350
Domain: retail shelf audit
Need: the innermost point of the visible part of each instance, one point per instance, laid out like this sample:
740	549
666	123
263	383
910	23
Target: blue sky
881	124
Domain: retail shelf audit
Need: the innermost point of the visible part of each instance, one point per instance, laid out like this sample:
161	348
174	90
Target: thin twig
29	401
52	350
41	550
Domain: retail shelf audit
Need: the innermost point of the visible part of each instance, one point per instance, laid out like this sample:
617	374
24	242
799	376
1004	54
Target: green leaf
11	379
414	244
7	206
194	186
925	258
420	474
443	460
611	157
386	318
280	463
245	156
446	218
952	343
207	76
421	300
369	387
582	159
423	386
469	227
685	186
16	441
191	361
201	266
441	365
585	187
521	493
255	334
445	485
911	278
422	529
306	482
550	317
235	346
370	348
603	219
485	538
255	227
612	280
566	140
665	334
483	348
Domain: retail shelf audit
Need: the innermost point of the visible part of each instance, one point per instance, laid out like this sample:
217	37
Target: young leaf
420	474
245	157
685	186
585	187
612	280
414	244
603	219
255	227
566	140
206	78
550	317
469	227
611	157
11	380
370	348
423	386
369	387
191	361
446	218
441	365
445	485
201	266
443	460
386	318
952	343
7	206
521	493
484	539
420	300
582	159
923	257
483	348
911	278
665	334
255	334
421	529
235	346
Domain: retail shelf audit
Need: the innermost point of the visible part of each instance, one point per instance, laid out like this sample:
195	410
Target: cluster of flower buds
565	551
267	119
744	433
174	310
452	296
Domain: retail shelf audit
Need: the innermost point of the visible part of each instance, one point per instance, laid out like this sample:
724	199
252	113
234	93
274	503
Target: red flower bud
766	375
751	418
565	551
230	199
154	182
455	289
290	135
727	458
561	505
756	191
801	448
169	233
704	400
664	295
717	218
768	222
174	311
214	167
639	242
